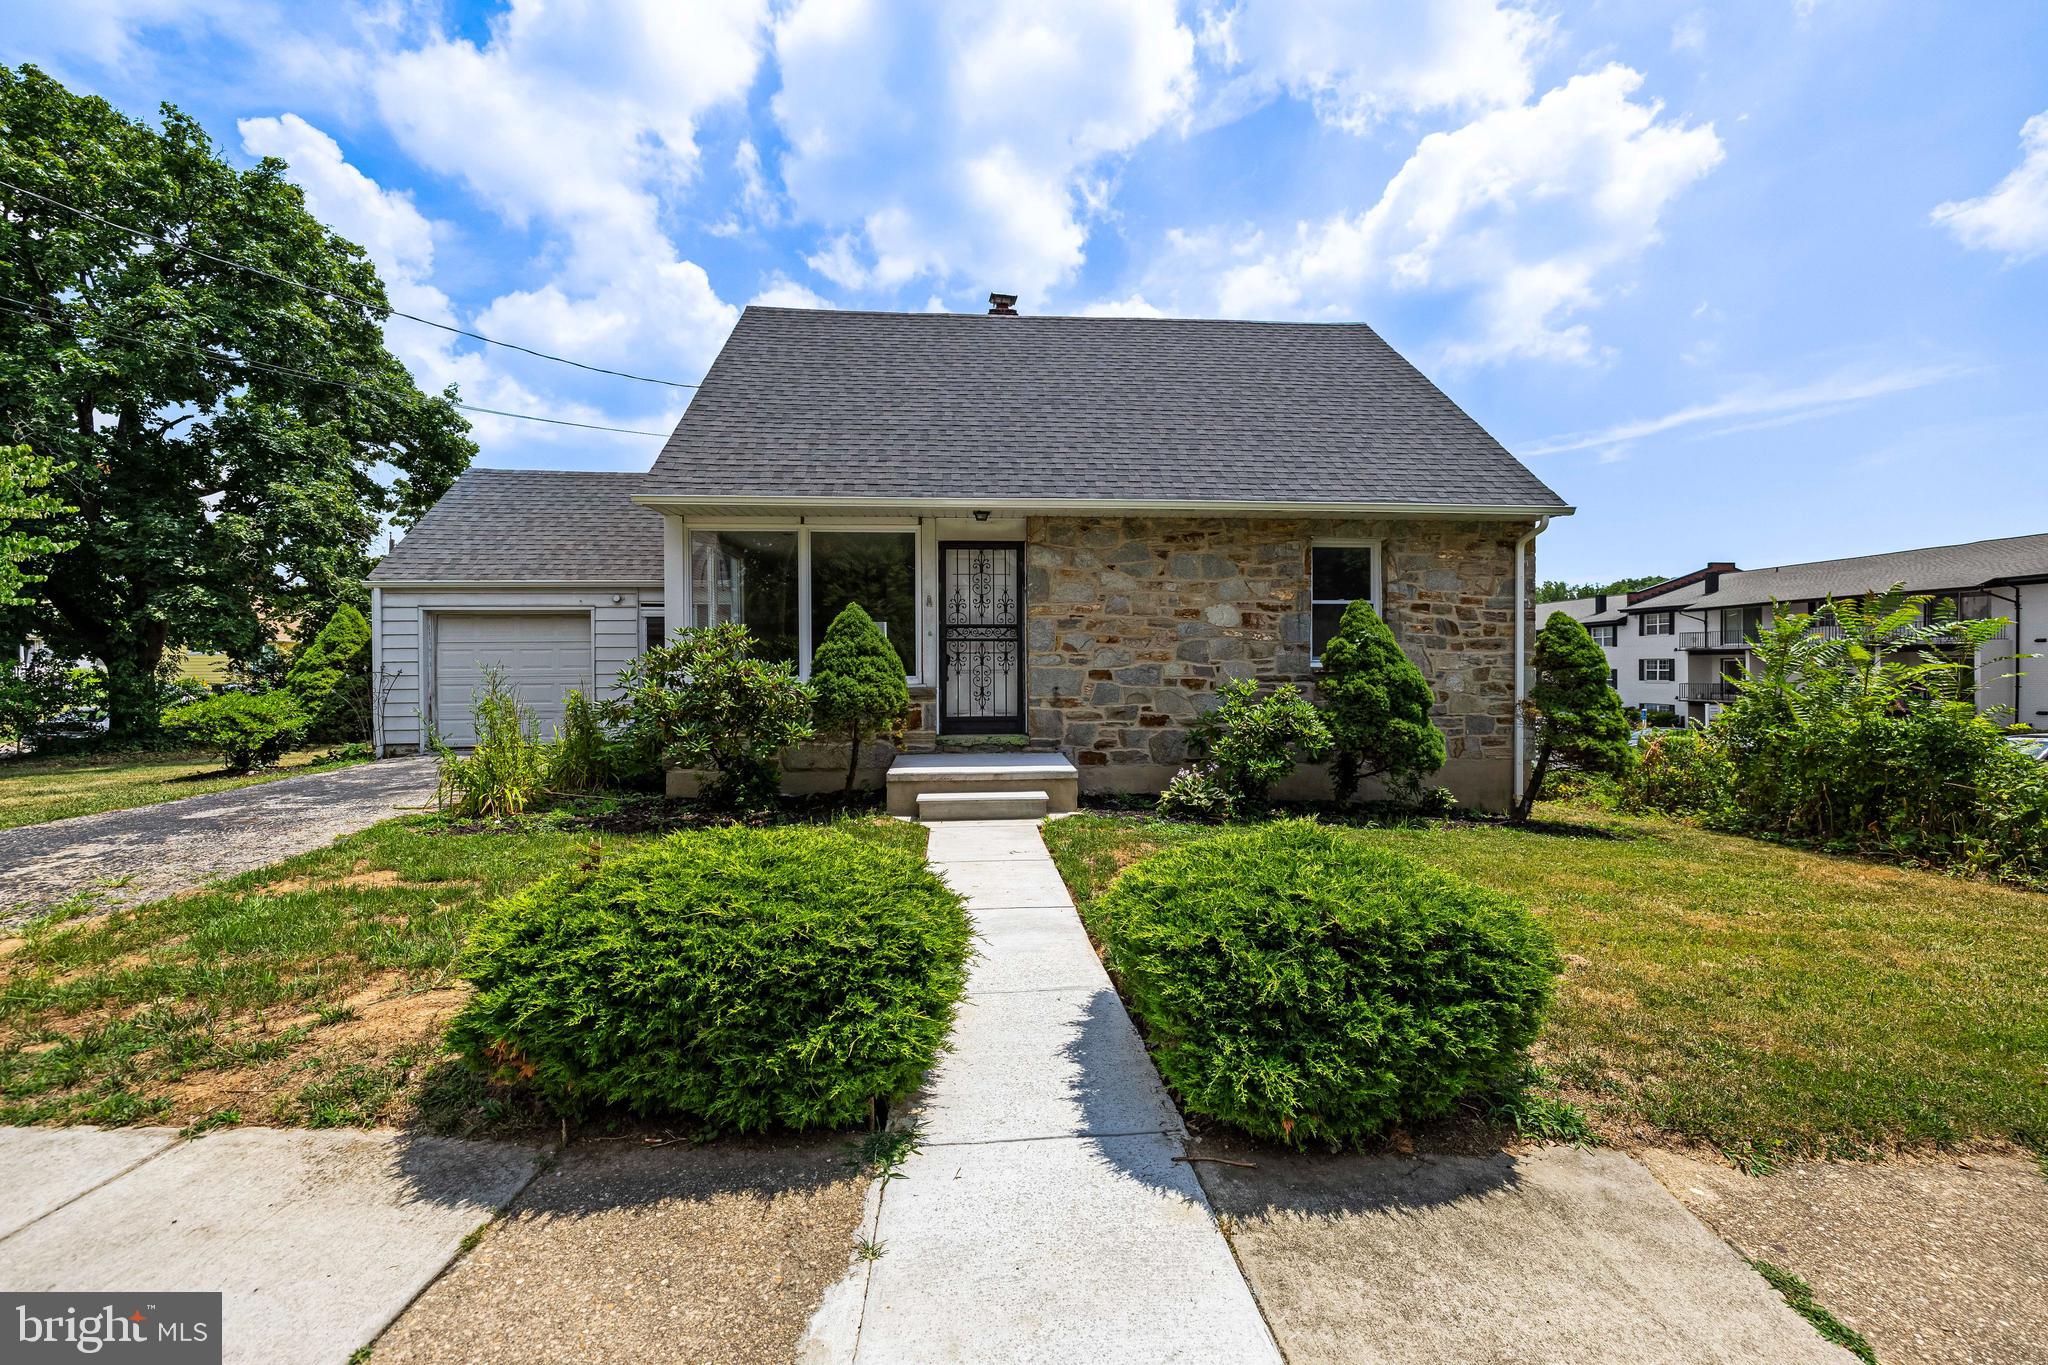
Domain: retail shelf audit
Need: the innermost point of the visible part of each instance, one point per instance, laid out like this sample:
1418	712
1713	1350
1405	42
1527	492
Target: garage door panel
541	657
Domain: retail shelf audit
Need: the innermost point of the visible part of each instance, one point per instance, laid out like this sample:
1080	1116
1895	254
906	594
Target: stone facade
1132	621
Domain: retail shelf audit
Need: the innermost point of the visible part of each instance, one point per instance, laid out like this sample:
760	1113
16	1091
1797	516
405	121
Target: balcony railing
1729	640
1718	690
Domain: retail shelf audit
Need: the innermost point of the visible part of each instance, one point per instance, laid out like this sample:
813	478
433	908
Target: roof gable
838	405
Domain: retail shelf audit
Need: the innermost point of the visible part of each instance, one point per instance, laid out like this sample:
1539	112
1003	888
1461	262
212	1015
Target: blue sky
1761	281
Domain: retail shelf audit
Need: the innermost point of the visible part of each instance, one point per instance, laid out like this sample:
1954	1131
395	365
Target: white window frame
1666	623
1378	586
804	527
1607	636
1643	670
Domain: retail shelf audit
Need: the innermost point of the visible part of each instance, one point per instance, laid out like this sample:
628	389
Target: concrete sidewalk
1044	1216
316	1240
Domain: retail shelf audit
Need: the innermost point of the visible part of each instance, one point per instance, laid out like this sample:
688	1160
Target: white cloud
963	144
1759	405
1527	213
580	121
400	240
2013	218
1361	61
1130	306
783	292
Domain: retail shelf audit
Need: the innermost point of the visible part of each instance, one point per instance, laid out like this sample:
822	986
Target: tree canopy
1557	590
235	441
25	503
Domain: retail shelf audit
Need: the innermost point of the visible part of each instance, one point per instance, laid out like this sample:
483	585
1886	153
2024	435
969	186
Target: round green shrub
1303	986
247	729
745	978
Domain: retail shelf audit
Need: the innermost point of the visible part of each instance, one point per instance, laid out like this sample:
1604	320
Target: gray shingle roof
531	526
1930	570
826	404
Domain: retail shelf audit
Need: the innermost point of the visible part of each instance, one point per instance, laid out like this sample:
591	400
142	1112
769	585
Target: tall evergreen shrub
858	680
330	678
1578	717
1376	704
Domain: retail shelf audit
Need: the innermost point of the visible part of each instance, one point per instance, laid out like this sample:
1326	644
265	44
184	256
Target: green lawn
1761	1000
33	790
313	992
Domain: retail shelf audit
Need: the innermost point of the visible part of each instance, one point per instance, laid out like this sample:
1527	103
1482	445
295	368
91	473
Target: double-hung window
1340	572
1656	623
1657	670
1604	636
787	584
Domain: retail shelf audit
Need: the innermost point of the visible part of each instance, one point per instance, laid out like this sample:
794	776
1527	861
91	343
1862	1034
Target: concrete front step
1049	777
982	805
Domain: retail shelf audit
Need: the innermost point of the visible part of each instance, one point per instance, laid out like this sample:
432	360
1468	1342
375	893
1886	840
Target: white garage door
541	656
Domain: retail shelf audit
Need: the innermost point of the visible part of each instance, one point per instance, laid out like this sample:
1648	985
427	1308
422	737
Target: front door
981	638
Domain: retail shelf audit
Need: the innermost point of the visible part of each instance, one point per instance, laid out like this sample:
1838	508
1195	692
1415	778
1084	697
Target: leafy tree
705	701
858	678
1376	704
25	500
236	441
1578	716
1557	590
330	677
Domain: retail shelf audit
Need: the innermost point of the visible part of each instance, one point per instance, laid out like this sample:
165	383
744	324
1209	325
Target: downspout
377	692
1522	651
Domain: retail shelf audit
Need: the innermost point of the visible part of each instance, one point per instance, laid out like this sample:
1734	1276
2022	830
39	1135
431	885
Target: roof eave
796	502
580	584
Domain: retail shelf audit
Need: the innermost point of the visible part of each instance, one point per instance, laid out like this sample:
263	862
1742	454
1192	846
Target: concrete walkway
1044	1216
130	856
315	1240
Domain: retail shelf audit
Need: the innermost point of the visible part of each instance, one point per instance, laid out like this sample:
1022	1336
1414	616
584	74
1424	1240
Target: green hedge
746	978
1302	986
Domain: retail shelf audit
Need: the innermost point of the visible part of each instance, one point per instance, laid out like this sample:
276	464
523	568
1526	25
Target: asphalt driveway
124	857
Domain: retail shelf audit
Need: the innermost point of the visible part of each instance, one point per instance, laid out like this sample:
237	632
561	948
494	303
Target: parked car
2033	746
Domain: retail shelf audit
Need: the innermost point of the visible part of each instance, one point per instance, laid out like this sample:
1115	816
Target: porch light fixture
981	515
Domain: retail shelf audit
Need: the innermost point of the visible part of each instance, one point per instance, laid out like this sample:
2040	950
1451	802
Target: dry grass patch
315	992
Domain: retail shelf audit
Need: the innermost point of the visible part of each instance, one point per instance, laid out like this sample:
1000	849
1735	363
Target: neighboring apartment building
1675	646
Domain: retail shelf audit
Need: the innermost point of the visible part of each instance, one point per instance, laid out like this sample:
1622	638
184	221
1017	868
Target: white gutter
1137	505
1522	651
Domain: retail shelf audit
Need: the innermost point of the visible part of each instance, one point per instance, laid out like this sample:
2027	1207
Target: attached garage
541	657
553	577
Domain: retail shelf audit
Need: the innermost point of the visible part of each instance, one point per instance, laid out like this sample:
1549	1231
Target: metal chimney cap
1002	305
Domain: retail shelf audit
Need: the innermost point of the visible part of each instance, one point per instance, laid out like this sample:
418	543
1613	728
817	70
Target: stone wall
1132	621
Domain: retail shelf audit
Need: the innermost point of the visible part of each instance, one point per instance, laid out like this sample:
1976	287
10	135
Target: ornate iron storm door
981	638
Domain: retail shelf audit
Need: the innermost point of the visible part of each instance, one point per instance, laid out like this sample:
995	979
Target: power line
11	304
336	293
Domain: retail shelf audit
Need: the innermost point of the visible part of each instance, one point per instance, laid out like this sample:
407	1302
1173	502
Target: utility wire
335	293
10	304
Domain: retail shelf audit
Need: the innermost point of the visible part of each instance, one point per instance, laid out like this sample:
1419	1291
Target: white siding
405	628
